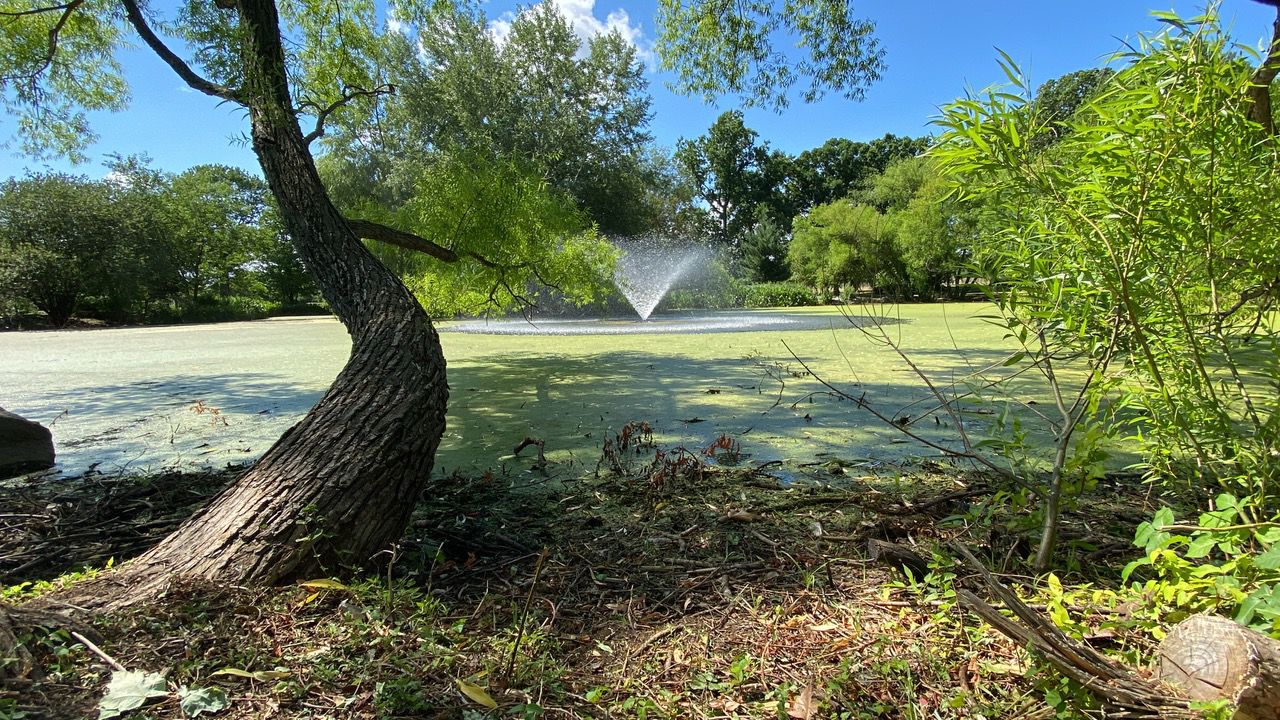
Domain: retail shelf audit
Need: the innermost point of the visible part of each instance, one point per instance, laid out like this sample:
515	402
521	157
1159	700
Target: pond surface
207	395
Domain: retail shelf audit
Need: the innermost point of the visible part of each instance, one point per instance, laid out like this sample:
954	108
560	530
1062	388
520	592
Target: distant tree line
850	216
145	246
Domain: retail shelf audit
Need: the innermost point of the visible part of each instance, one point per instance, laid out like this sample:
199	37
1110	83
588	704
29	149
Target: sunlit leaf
477	694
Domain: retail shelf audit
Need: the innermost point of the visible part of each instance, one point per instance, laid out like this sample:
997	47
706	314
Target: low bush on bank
779	294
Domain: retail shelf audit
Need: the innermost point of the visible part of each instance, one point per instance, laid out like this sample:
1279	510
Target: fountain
649	266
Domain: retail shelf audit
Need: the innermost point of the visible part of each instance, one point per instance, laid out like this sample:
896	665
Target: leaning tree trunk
340	485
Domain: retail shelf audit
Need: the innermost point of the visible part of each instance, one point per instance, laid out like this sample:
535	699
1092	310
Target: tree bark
1260	90
1213	658
340	485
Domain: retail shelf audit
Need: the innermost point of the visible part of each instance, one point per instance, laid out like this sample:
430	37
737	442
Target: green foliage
1148	229
902	179
47	92
146	246
1223	564
734	175
64	240
763	257
220	221
935	236
1057	102
715	48
900	232
843	244
778	294
520	231
575	112
1140	250
840	167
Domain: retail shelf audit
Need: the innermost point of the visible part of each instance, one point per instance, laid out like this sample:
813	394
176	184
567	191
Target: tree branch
180	67
54	31
370	230
40	10
348	94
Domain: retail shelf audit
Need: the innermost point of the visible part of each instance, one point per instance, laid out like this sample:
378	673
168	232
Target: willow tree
339	486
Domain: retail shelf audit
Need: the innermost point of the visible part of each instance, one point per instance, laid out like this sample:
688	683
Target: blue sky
934	51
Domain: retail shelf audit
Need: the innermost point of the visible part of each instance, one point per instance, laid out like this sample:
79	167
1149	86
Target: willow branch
348	94
184	71
370	230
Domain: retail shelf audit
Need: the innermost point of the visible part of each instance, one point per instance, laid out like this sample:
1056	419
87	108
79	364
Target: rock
25	446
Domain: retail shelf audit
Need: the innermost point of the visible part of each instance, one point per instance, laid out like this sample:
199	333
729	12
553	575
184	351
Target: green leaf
1163	518
202	700
1143	534
323	584
1200	546
130	690
1269	560
476	693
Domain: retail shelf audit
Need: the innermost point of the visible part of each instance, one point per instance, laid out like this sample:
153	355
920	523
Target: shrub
779	294
235	307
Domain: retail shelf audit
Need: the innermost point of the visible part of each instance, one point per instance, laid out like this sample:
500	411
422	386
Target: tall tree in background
1058	100
840	167
59	238
733	174
576	113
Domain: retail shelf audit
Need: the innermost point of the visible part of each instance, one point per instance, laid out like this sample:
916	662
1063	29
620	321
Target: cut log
1213	658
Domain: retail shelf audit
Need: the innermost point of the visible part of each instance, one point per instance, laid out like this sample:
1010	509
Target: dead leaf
802	707
741	516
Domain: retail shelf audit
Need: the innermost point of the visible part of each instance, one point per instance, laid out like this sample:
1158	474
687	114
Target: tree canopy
716	48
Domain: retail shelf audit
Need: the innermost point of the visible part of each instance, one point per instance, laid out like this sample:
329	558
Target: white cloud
394	23
500	28
581	16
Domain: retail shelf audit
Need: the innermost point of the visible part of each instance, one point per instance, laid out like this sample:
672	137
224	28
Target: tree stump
1212	658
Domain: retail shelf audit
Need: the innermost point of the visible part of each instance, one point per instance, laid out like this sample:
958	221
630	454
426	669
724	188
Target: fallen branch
1122	693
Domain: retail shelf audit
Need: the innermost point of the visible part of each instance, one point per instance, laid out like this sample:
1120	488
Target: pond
207	395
